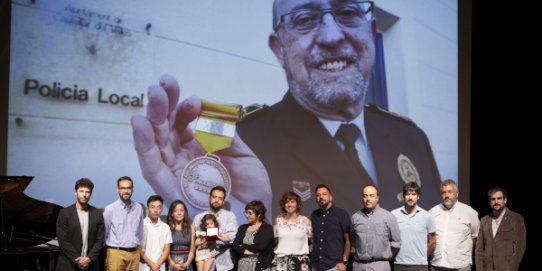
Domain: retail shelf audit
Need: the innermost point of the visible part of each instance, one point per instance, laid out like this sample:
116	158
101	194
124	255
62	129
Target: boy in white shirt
156	237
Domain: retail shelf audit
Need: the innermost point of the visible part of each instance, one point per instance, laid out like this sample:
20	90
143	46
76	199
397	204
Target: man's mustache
343	51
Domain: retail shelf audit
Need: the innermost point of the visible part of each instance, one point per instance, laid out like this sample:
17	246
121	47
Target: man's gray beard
334	94
331	93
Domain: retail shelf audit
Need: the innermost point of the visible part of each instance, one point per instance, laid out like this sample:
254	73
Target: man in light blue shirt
227	224
123	221
418	232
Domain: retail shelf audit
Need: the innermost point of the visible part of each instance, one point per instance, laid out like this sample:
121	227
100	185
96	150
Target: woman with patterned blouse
293	233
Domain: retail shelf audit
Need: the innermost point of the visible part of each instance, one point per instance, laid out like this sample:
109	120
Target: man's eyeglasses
348	15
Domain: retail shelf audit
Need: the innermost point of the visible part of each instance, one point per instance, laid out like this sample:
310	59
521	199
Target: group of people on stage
409	237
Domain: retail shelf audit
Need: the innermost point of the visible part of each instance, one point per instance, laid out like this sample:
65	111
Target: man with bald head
375	234
321	131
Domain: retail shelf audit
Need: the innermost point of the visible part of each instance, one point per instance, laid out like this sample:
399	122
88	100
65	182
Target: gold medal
215	129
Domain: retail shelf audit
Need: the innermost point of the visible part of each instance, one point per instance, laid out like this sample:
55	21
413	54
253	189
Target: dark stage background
502	145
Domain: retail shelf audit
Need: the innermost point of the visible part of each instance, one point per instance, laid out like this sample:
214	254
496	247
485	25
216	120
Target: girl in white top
293	233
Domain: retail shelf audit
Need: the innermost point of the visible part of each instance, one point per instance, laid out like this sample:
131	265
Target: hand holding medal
215	129
166	145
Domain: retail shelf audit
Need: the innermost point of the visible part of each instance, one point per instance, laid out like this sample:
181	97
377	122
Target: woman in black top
254	241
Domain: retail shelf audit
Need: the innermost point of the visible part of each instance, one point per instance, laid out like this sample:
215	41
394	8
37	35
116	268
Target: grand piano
27	227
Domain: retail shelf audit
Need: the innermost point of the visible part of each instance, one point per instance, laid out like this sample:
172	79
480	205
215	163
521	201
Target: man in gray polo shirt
375	234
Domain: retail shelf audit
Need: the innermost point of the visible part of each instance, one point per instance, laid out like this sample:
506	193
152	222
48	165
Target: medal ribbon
215	127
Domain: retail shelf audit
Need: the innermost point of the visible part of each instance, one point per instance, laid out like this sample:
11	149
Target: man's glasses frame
350	14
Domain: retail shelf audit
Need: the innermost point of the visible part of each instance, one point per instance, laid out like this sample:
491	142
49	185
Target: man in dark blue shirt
330	228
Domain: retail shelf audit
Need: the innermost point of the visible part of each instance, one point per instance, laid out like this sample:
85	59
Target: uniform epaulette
253	109
387	113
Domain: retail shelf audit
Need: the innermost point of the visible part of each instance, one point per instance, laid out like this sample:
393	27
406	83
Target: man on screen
327	51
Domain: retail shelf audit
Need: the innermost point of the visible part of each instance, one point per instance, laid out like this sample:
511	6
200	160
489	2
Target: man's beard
215	209
448	204
323	205
333	93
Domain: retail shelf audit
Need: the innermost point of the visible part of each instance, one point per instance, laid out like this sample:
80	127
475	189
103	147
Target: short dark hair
497	189
411	186
258	208
124	178
322	186
155	198
291	196
218	187
84	182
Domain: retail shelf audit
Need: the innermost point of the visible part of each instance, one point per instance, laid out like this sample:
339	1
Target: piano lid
8	183
26	220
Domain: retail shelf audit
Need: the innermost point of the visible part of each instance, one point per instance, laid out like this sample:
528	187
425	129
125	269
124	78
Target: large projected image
88	98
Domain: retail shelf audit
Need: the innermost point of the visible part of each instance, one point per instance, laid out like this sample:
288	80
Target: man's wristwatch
345	262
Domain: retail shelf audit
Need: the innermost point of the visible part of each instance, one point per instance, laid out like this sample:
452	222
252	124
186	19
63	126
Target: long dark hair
171	222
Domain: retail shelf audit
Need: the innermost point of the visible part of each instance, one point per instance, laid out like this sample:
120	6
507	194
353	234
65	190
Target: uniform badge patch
301	188
407	170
